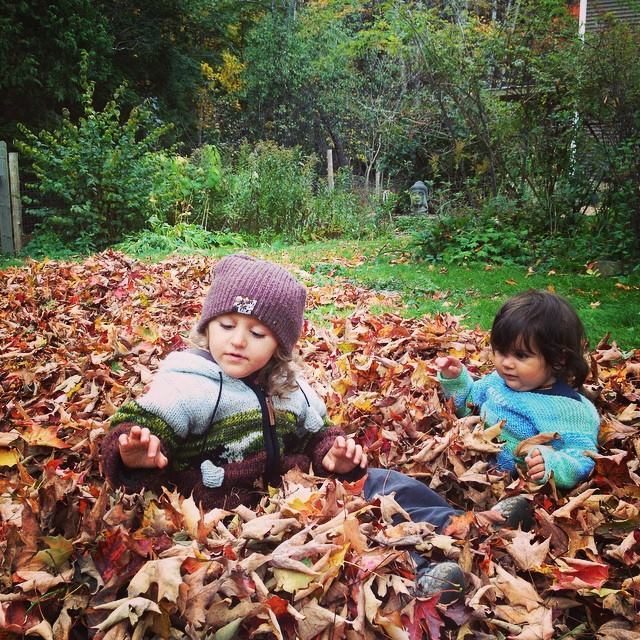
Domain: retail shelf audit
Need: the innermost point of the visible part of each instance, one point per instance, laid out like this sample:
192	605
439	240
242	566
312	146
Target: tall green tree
40	57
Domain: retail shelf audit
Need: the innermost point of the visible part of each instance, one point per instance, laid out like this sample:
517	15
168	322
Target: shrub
183	188
183	237
274	192
48	244
341	212
93	176
498	233
268	192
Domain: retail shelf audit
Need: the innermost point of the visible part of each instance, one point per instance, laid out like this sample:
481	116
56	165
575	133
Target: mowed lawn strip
607	305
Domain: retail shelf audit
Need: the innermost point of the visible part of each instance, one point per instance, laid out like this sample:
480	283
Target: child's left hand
535	465
344	456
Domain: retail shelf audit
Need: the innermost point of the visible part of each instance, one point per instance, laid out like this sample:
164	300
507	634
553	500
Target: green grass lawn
606	305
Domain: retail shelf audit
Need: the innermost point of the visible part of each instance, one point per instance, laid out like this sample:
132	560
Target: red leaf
277	604
580	574
426	618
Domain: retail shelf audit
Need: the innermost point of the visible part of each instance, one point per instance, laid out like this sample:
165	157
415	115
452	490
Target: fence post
6	227
16	204
330	169
378	183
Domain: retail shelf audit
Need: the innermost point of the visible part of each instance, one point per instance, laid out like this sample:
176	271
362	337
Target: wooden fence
10	204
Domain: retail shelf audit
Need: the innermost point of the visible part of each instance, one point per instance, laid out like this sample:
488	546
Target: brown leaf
164	573
516	590
528	445
528	554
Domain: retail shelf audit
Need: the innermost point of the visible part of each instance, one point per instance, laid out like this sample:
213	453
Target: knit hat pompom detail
266	291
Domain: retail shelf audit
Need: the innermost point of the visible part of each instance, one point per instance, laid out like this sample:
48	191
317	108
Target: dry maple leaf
528	554
79	339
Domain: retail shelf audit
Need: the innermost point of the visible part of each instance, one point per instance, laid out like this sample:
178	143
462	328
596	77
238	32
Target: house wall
624	10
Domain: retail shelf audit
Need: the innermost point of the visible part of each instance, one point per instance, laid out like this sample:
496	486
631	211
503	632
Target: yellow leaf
365	400
347	347
341	385
337	559
309	507
421	376
458	353
273	491
291	581
340	417
191	514
149	333
9	457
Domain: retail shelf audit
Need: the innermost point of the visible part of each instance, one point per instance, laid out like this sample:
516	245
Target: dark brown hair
544	322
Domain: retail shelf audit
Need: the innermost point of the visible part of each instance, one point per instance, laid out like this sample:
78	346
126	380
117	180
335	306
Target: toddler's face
240	344
523	369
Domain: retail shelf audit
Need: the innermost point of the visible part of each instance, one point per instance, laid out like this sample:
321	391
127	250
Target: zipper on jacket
272	470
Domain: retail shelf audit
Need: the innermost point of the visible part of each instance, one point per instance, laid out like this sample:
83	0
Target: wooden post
16	204
378	183
330	183
6	229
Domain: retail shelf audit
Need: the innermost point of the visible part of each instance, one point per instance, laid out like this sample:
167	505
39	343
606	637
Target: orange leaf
44	437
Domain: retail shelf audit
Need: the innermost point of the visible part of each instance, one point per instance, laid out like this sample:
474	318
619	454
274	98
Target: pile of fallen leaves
313	560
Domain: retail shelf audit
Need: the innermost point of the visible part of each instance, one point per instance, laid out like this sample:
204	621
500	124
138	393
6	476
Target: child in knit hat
537	341
217	420
220	422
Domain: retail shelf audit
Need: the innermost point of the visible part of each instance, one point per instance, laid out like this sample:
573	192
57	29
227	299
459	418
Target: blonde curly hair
277	377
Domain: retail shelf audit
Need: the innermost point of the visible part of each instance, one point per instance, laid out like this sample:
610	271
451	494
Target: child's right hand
449	366
139	449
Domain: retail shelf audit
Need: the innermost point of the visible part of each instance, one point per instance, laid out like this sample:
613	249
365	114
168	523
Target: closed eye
255	334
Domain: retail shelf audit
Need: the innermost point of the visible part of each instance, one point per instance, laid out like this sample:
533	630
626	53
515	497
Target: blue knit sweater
559	409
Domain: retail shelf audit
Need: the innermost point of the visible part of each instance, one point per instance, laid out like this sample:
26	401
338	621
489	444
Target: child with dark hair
538	348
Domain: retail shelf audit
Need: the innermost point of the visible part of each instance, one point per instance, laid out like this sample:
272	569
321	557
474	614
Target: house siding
623	10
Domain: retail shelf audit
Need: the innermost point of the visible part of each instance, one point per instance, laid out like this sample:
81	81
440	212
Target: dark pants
420	502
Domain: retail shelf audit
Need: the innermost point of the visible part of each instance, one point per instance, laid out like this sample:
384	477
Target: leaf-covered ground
78	559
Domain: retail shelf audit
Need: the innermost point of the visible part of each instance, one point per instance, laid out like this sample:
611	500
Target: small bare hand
535	465
449	366
344	456
139	449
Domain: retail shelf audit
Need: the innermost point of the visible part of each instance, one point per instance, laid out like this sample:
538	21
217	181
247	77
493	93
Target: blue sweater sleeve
577	423
464	390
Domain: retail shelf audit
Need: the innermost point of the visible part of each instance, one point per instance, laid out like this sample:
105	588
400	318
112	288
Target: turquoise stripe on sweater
529	413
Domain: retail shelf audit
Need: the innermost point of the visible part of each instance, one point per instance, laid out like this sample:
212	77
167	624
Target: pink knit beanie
244	284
